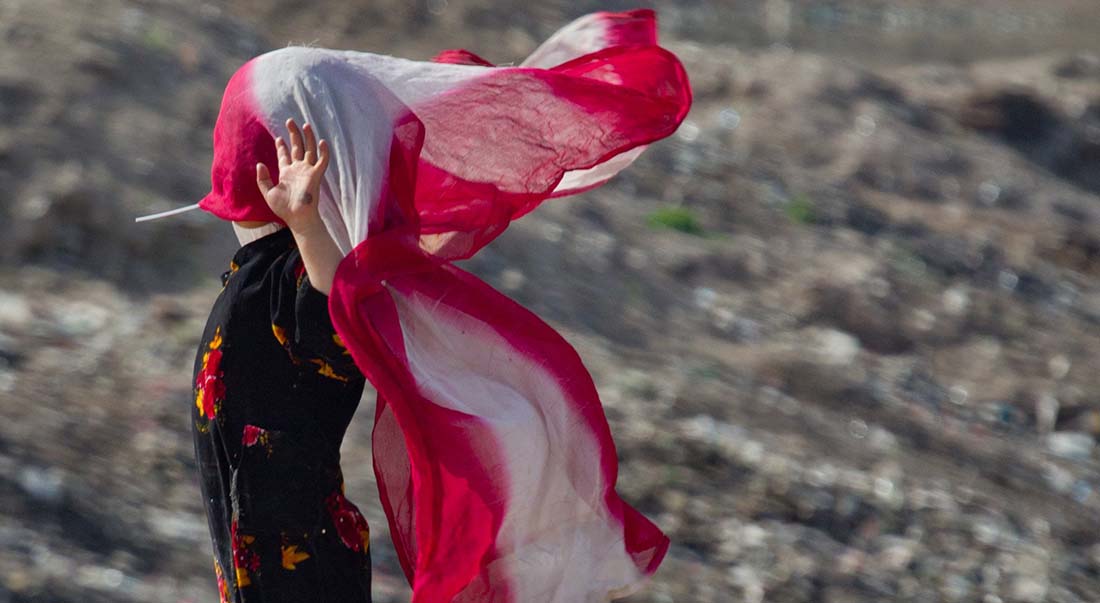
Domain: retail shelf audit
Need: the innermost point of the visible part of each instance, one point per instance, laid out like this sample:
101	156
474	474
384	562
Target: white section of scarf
353	100
556	521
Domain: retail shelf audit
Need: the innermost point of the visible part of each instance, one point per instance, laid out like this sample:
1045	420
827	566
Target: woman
274	392
495	463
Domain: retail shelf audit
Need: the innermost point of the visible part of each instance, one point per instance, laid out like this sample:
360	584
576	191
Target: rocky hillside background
844	322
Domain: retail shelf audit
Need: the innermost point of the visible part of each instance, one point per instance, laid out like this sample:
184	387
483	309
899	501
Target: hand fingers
284	153
311	144
263	179
296	150
322	164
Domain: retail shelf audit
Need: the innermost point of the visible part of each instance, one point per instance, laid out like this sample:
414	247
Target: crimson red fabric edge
637	26
460	56
404	556
241	140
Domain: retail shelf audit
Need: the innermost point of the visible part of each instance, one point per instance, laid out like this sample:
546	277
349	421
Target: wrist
306	225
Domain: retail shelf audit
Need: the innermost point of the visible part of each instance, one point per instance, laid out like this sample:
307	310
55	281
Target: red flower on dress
209	388
252	435
245	560
349	522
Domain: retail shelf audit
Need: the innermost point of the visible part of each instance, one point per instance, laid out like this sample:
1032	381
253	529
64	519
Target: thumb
263	179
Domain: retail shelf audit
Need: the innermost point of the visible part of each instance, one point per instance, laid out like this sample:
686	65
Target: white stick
165	214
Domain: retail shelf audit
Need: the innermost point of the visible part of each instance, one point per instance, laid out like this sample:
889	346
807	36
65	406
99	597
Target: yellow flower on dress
242	578
233	268
340	344
325	370
364	537
280	334
292	556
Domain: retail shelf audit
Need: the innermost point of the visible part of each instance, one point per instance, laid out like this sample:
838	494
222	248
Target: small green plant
677	218
158	39
800	209
709	371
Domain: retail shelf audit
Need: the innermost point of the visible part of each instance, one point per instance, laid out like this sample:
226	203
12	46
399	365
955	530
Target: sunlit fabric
495	464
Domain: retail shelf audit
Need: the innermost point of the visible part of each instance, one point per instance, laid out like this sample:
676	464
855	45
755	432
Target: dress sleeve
300	322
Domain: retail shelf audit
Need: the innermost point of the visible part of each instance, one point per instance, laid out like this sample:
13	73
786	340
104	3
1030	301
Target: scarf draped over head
495	464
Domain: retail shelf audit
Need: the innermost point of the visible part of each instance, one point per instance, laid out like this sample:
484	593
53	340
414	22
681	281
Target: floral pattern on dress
223	587
245	559
280	336
233	268
291	555
350	524
209	387
257	436
340	344
325	370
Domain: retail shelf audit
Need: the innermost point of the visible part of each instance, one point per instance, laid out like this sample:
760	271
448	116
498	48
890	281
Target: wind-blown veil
495	464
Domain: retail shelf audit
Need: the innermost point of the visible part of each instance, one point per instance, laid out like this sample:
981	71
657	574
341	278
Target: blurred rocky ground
844	322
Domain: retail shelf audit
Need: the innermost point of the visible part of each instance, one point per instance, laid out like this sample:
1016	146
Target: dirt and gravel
844	322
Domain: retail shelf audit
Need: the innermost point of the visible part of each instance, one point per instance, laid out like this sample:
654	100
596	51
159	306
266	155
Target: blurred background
843	322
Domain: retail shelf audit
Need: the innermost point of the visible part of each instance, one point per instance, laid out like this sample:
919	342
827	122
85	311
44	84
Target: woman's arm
295	198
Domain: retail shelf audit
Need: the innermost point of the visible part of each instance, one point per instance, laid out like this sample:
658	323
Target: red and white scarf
495	463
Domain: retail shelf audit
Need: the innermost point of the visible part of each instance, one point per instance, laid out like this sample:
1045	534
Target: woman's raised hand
301	166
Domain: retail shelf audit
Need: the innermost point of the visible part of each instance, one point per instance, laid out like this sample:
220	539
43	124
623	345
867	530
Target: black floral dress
274	391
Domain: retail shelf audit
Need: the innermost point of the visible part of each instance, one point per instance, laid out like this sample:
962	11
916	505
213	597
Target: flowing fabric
495	464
